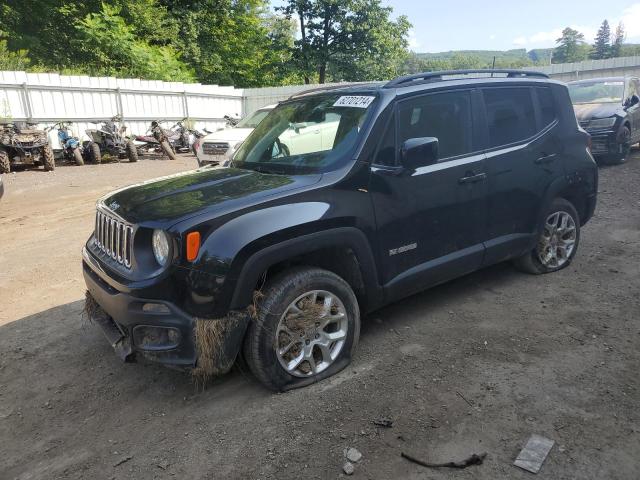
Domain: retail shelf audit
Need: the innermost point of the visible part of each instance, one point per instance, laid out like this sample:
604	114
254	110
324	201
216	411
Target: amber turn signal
193	245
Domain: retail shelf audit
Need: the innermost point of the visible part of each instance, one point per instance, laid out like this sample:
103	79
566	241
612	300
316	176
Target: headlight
602	123
161	247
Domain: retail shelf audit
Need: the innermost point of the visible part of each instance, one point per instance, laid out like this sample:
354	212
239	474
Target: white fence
611	67
48	98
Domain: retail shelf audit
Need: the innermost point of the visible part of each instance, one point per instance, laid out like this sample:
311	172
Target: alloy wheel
558	240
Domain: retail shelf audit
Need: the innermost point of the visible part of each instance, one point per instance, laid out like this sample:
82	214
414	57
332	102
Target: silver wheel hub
558	240
311	333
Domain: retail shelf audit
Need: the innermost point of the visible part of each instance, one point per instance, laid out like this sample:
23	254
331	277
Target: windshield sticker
354	101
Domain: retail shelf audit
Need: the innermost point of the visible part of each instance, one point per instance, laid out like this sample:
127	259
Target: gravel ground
475	365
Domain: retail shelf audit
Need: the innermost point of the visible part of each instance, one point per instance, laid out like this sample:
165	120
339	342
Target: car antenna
493	66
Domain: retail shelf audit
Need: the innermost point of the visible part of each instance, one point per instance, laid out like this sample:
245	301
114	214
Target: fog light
156	338
155	308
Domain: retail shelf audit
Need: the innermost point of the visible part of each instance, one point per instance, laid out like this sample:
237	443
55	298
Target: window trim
476	147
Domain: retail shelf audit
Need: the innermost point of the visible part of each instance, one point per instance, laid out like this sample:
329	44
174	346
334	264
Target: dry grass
90	308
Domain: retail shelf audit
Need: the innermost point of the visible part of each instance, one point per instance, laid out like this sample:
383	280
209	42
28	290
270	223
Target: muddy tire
306	328
132	153
48	160
557	243
94	153
77	156
165	146
624	144
5	163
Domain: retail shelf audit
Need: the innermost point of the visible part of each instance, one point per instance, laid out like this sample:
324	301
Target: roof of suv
428	78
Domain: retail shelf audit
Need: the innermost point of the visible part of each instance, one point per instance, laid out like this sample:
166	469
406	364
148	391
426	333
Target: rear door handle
473	178
545	159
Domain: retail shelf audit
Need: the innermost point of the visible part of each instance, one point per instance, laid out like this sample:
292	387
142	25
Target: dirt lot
475	365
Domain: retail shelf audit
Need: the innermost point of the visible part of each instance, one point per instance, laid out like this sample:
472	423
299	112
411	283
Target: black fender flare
349	237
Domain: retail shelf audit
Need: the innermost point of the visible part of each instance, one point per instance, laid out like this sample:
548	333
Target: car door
523	156
430	219
302	139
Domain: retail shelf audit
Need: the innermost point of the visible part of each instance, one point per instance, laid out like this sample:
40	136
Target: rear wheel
5	163
557	243
94	153
132	153
77	155
167	149
48	158
306	329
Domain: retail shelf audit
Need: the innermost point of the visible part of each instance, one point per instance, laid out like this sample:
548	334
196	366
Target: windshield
252	120
309	135
597	92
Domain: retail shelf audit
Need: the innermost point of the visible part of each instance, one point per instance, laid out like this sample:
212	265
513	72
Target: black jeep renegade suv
342	200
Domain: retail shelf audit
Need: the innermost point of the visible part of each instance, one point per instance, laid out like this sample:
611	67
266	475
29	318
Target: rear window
546	105
510	115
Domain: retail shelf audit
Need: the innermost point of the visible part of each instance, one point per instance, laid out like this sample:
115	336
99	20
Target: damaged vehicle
22	144
218	147
609	110
278	258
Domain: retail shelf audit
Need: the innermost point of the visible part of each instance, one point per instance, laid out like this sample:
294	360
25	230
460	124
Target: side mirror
419	152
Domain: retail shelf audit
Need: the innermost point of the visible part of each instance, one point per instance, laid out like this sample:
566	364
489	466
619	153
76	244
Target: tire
77	155
94	153
532	262
5	163
132	153
48	159
266	333
624	138
165	146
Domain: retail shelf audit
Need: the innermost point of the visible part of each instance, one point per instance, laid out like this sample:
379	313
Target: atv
71	148
22	144
110	139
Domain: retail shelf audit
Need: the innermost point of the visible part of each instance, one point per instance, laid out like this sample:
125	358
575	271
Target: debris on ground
352	454
532	456
124	460
383	422
348	468
475	459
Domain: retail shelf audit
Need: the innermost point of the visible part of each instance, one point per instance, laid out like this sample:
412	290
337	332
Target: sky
502	25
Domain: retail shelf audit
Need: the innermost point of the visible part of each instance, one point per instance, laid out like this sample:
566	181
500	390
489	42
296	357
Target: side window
445	116
387	150
510	115
547	106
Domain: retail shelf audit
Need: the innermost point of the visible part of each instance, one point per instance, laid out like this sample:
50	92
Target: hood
215	190
231	135
591	111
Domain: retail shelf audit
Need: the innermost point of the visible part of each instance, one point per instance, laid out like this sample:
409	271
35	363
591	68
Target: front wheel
94	153
624	147
77	155
132	153
557	243
167	149
306	328
48	158
5	163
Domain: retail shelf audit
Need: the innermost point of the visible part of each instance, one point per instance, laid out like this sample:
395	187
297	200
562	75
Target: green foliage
602	44
347	39
571	47
618	40
16	60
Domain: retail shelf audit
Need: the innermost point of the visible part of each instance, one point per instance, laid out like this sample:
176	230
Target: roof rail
322	89
426	77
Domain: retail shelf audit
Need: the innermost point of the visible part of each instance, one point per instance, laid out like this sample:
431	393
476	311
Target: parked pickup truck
278	258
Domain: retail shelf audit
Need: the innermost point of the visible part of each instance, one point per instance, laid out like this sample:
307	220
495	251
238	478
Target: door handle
545	159
473	178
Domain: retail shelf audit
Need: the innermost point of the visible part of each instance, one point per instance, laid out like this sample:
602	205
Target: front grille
599	145
114	238
215	148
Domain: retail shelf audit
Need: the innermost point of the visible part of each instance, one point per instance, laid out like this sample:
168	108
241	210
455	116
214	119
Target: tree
618	41
602	44
347	39
571	47
18	60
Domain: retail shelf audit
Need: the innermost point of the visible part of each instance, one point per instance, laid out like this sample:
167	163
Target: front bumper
604	143
120	313
122	316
